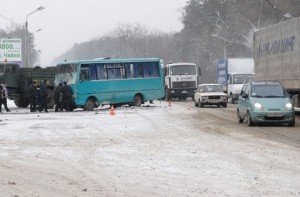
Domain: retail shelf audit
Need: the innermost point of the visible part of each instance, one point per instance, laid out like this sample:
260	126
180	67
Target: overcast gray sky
65	22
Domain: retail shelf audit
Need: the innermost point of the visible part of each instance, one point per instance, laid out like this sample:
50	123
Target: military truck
19	79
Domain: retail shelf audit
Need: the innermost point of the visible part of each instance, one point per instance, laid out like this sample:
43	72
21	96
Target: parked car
210	94
265	102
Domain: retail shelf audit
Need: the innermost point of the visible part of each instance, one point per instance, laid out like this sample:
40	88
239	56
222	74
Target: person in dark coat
67	96
33	91
4	96
58	97
44	96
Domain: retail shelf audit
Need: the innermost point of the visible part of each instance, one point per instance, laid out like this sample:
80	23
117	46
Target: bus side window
138	70
128	70
84	75
131	71
93	72
151	69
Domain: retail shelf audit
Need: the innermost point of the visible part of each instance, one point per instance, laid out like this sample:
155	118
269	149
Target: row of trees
16	31
126	40
218	28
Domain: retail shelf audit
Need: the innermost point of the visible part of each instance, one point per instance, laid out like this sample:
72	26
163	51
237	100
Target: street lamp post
27	52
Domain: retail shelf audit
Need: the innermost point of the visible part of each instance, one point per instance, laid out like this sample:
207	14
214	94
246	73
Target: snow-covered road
149	151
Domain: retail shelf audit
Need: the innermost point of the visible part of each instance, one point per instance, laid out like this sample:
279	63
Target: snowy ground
150	151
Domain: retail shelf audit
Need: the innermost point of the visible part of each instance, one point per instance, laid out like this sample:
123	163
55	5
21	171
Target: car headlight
204	97
258	106
289	106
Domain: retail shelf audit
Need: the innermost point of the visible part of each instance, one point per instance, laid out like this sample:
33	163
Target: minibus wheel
137	101
89	105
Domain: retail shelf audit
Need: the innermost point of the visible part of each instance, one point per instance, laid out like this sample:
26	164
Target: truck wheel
21	102
89	105
137	100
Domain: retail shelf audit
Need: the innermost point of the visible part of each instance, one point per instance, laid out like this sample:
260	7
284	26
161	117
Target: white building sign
10	50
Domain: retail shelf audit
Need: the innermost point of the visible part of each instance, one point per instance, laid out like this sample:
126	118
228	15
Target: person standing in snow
44	96
67	96
33	96
58	98
4	96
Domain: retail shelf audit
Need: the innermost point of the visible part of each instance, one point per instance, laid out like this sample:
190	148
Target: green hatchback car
265	102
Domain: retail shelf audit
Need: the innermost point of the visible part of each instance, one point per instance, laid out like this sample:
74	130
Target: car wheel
292	123
240	120
200	104
249	120
196	104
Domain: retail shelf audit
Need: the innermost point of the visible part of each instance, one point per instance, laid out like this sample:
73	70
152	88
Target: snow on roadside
154	150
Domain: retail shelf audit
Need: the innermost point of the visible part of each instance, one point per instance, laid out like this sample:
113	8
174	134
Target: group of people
63	97
3	97
39	95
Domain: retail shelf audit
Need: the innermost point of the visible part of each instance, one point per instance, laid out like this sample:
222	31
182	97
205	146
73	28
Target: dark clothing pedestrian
33	92
67	96
4	96
44	96
58	97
